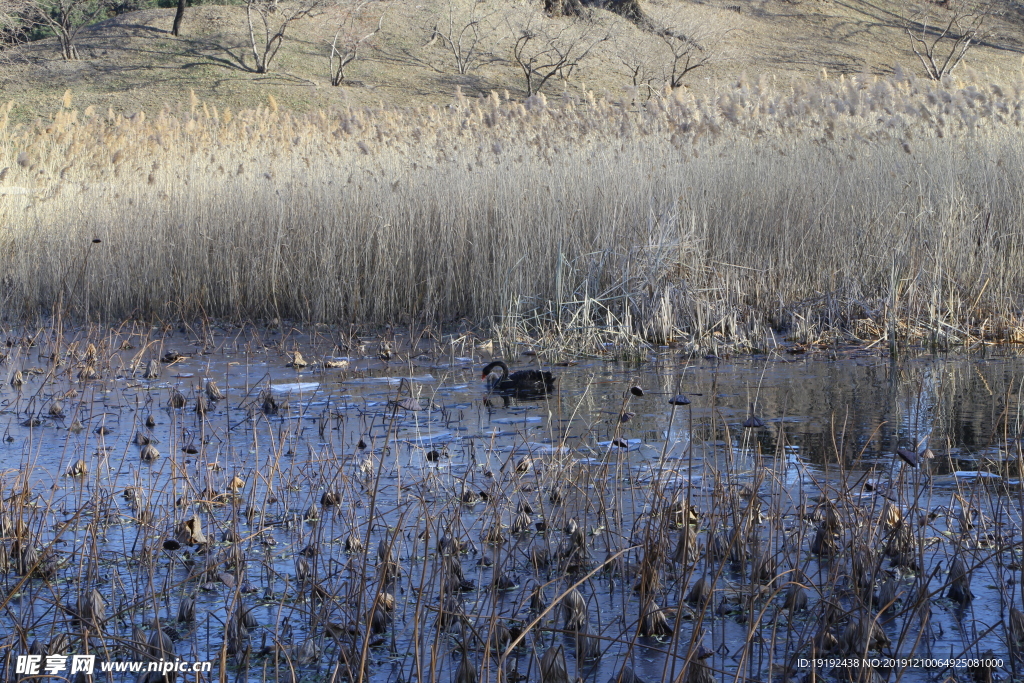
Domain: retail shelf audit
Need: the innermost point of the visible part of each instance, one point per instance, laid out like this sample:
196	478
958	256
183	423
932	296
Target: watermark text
35	665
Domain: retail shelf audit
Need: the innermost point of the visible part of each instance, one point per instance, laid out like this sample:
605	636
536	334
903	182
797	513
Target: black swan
521	384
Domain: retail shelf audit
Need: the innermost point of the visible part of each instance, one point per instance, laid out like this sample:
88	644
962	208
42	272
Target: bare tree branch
680	48
941	34
66	18
17	18
273	18
464	34
462	39
351	36
685	54
545	48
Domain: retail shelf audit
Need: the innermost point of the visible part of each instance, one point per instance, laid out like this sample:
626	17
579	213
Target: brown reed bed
320	540
851	209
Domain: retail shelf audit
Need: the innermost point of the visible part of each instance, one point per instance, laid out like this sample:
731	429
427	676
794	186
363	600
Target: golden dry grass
877	208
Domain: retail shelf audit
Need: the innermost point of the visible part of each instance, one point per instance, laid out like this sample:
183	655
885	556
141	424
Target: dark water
385	452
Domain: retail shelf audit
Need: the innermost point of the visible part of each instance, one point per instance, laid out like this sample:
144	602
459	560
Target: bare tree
271	19
942	33
464	32
66	18
685	53
357	27
17	18
680	47
641	65
463	38
544	48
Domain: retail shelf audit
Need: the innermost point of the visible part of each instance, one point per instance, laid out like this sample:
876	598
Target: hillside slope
132	62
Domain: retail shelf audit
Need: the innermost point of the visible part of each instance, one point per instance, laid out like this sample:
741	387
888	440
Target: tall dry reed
878	208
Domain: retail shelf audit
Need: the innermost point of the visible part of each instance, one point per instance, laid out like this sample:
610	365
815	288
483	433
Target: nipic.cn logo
35	665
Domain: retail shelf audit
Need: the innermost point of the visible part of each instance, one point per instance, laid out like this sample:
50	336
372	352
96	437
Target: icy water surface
368	515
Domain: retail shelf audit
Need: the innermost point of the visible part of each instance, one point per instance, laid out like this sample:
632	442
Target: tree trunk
630	9
563	8
179	14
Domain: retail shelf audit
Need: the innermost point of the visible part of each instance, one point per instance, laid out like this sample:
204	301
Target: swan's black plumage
520	384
